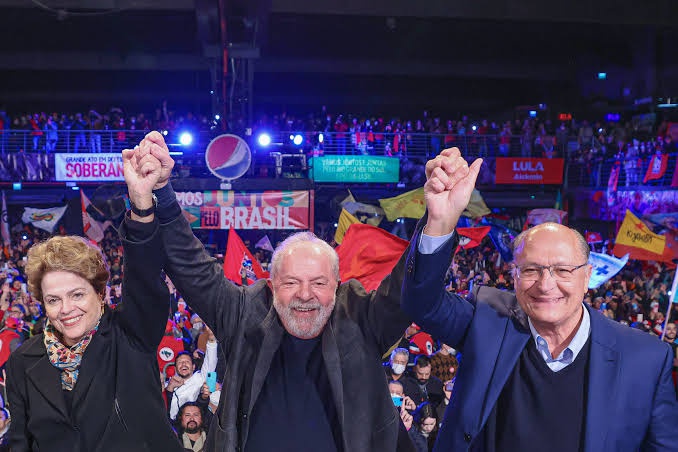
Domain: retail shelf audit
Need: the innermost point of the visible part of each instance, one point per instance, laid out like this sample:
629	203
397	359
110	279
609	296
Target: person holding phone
184	386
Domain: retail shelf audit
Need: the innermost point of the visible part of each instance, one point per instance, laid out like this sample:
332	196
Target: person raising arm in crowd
541	370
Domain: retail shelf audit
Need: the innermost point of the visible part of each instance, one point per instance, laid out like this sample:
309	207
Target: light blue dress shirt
568	355
430	244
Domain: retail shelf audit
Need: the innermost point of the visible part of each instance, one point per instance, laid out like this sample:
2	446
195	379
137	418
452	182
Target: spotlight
264	140
217	117
186	139
321	138
297	140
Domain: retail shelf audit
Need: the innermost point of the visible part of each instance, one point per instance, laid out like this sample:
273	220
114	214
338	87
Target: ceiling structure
309	48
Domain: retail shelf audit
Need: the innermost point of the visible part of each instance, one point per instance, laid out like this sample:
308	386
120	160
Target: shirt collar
572	350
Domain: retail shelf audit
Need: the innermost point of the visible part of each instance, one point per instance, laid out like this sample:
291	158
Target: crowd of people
198	367
421	371
535	135
92	131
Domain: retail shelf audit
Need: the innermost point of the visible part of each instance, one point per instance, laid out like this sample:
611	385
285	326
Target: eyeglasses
532	272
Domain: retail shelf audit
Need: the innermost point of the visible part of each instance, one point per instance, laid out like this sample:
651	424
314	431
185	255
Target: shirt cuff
429	244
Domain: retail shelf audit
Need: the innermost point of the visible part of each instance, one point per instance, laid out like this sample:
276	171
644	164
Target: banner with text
517	170
221	209
88	167
355	168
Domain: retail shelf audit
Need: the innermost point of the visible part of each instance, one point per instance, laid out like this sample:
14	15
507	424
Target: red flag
614	178
368	254
92	228
593	237
237	258
657	167
471	237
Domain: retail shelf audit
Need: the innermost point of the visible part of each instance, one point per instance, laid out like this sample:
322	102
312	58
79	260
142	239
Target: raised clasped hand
449	184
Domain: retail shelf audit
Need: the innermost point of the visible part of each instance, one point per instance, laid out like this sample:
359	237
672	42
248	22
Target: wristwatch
144	212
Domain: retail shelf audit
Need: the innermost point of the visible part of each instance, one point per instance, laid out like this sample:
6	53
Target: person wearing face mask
196	328
424	427
397	364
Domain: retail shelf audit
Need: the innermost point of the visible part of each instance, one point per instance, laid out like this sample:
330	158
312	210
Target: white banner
88	167
604	268
45	219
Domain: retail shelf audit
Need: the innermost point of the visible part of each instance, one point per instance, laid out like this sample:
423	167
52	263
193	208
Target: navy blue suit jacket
630	405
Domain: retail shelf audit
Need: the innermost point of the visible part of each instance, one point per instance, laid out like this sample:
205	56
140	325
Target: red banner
657	167
518	170
593	237
471	237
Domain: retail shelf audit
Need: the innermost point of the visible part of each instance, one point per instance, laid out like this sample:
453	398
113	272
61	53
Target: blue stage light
186	139
264	140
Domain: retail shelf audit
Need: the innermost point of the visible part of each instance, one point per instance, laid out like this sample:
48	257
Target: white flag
46	219
264	244
604	268
4	224
92	228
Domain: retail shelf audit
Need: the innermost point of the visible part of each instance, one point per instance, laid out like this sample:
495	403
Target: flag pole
674	287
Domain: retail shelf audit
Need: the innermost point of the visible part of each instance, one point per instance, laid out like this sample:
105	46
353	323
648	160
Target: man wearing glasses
540	370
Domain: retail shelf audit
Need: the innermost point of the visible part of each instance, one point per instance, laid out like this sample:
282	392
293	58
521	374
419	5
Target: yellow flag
476	206
634	232
345	220
410	205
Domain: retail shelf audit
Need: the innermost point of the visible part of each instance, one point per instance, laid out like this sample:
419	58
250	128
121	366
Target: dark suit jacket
630	404
361	328
117	402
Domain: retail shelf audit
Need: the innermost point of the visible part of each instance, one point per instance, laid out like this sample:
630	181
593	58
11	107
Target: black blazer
116	403
361	328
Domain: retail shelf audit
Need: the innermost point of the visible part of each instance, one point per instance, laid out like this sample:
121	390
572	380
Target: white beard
304	329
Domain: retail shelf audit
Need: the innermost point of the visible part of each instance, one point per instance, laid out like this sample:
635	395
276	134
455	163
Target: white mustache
304	305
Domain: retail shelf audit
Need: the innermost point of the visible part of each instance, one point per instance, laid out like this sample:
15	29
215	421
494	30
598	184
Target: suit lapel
100	346
46	378
268	336
332	361
602	383
512	345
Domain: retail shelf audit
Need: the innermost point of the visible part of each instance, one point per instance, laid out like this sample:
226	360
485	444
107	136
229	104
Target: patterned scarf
66	359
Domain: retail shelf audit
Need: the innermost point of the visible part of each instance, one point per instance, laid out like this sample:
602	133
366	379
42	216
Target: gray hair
400	351
582	244
304	237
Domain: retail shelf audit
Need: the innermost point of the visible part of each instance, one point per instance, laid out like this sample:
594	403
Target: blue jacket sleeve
446	316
